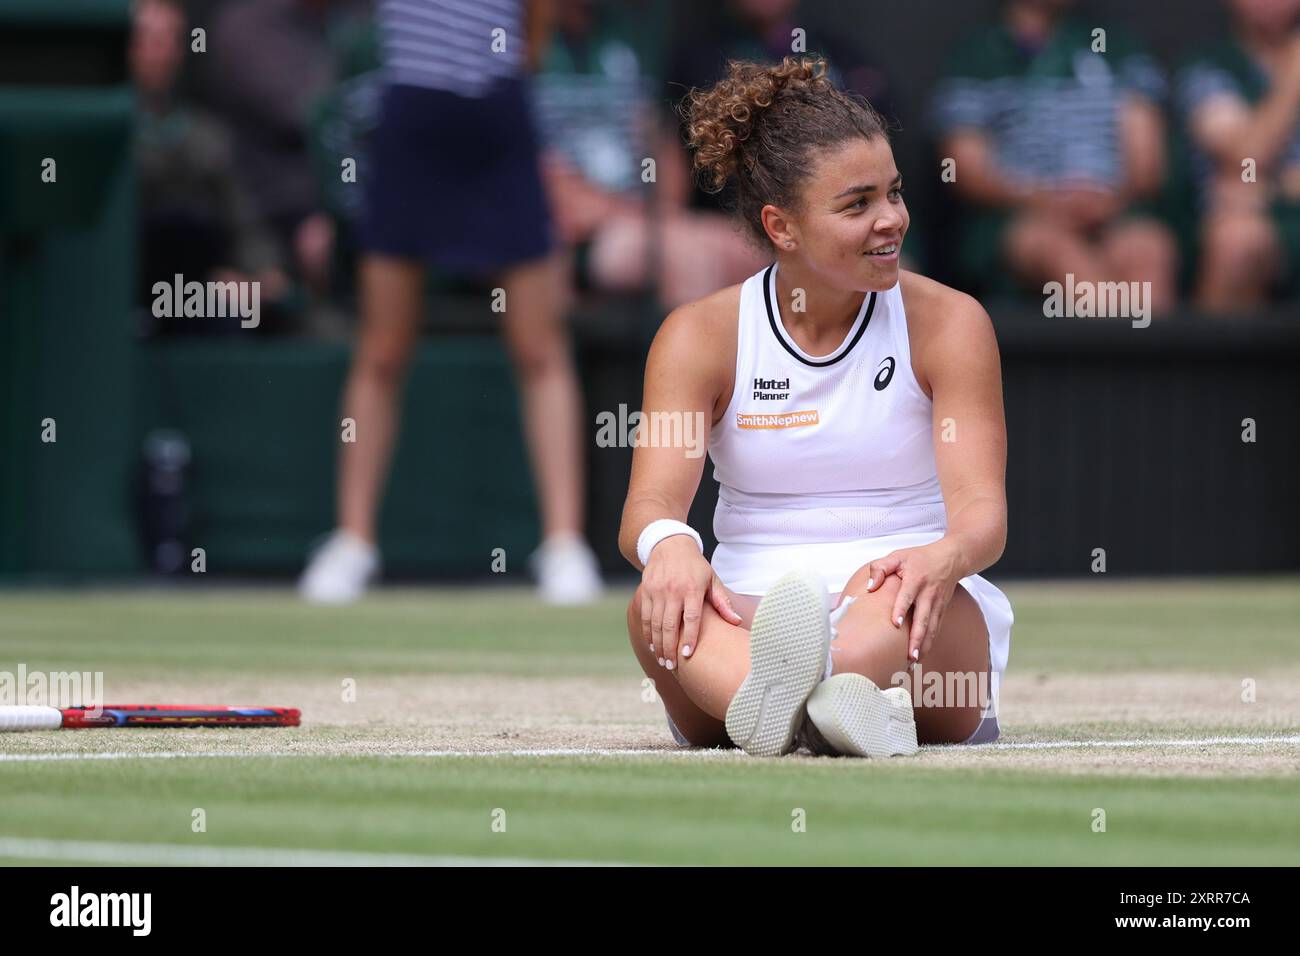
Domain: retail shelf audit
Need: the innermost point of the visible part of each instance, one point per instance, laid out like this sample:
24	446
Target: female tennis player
859	443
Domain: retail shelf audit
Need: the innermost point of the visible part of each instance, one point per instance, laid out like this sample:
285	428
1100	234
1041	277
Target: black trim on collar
771	320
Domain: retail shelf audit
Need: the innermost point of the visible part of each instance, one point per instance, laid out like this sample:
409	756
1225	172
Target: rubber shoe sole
788	644
858	719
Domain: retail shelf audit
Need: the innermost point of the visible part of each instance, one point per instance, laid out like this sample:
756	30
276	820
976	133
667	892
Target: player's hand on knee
693	614
929	576
720	598
675	584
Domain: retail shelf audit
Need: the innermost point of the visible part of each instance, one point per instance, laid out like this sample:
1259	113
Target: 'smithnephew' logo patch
781	420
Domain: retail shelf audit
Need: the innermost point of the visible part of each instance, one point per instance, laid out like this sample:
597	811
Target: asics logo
885	374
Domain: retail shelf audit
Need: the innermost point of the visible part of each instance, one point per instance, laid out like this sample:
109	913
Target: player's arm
684	379
680	379
964	374
956	360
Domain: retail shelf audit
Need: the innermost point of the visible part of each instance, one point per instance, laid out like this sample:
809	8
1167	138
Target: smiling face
851	218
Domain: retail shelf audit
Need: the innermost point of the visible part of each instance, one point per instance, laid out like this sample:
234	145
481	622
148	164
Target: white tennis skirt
752	569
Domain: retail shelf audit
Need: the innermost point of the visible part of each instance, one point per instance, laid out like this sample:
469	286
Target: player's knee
867	643
856	587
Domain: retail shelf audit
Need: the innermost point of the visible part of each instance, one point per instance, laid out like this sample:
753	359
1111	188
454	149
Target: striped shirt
1052	116
1226	72
588	101
461	46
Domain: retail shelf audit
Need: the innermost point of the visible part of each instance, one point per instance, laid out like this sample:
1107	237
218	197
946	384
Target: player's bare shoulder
945	326
709	321
699	339
933	303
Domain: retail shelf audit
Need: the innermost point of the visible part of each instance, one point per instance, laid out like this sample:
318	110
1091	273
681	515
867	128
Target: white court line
179	854
612	752
225	754
1177	742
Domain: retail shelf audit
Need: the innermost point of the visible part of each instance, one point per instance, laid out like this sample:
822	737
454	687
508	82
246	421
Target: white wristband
656	531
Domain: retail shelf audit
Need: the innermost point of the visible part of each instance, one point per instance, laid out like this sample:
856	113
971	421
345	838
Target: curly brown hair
759	124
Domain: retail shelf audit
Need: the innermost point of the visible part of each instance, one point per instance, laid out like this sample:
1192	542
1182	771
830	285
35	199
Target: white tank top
826	448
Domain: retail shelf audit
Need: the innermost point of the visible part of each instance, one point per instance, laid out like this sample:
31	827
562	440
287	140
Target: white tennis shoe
340	570
566	570
848	715
789	644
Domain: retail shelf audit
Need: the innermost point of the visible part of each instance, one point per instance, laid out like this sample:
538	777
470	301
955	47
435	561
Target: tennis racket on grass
29	717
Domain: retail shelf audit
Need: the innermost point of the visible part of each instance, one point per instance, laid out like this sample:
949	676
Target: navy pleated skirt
455	182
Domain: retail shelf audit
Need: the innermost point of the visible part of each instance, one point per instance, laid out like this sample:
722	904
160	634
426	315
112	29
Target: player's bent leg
948	684
718	644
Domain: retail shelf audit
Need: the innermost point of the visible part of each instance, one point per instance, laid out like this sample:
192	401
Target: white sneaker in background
566	571
340	570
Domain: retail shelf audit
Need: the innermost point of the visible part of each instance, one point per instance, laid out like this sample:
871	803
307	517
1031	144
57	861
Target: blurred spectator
1242	102
195	218
702	248
1060	150
764	31
267	62
591	94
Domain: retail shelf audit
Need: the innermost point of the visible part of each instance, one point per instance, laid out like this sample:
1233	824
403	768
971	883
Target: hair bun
720	119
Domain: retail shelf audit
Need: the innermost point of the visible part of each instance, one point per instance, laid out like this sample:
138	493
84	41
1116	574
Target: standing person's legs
392	299
392	296
538	341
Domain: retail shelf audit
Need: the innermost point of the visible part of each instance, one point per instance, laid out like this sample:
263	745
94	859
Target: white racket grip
30	717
